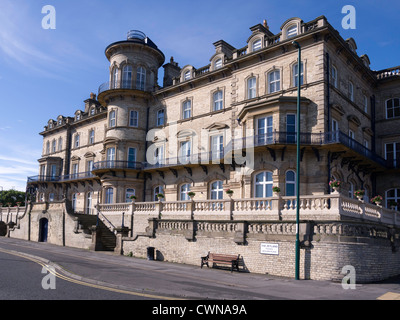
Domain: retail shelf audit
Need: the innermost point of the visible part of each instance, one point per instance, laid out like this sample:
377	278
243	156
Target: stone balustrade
313	207
10	214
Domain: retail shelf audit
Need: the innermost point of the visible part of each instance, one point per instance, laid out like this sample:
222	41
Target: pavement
162	280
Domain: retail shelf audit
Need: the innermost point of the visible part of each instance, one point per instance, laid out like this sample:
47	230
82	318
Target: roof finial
265	24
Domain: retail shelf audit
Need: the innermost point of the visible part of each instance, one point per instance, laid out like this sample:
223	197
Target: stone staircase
107	238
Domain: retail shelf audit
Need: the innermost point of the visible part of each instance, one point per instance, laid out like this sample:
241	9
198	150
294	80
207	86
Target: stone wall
326	247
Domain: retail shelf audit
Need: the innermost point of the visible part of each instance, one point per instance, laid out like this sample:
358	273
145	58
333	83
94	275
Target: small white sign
269	248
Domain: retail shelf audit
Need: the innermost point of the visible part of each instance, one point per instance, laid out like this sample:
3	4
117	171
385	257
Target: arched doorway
43	229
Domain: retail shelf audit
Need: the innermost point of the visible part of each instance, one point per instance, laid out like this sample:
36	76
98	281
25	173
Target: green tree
12	198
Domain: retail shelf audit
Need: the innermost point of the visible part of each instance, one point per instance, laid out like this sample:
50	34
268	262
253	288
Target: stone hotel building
230	124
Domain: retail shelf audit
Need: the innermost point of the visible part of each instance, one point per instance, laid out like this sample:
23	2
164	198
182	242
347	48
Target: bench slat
228	259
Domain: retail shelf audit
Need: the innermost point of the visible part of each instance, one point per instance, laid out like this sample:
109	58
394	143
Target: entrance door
43	228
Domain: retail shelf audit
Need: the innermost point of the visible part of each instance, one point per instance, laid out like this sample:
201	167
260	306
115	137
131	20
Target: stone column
121	232
96	244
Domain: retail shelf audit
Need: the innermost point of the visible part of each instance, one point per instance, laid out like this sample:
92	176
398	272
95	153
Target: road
86	275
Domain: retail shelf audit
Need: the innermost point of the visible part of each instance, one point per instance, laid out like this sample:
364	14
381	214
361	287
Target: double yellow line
83	283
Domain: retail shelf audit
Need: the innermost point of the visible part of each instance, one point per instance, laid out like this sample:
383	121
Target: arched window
393	198
77	138
128	193
291	31
59	144
251	87
295	73
218	64
160	117
114	80
47	147
157	190
216	190
351	190
274	81
256	45
187	109
263	184
393	108
183	190
140	78
109	195
351	91
127	76
74	201
290	183
53	146
89	197
217	100
111	122
187	75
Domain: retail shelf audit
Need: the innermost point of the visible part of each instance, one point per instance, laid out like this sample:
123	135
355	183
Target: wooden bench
215	258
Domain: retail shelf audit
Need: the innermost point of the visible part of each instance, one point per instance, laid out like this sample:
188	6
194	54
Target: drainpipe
145	152
328	122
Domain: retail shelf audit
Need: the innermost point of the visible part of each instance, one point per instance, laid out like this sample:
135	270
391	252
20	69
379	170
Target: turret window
126	77
112	119
133	118
140	78
115	78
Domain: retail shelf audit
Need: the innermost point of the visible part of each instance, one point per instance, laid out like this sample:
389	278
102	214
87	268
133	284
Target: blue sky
45	73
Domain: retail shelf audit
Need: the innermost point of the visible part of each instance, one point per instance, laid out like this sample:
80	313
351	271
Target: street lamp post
297	254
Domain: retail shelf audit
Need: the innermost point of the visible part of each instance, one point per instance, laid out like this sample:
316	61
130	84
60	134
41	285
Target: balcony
63	178
116	165
212	157
124	85
306	138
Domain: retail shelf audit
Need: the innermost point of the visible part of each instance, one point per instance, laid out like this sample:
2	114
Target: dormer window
218	64
291	31
92	111
186	75
78	117
60	122
256	45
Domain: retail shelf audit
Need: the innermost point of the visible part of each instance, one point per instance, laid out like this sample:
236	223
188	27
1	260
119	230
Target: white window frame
114	78
295	73
292	31
265	183
109	195
274	81
218	100
133	118
216	190
160	117
290	182
217	146
256	45
77	140
140	78
393	108
265	129
251	87
127	76
91	136
183	192
187	75
218	64
112	119
187	109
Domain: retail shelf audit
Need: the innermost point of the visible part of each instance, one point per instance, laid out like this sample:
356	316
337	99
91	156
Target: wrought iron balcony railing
130	85
117	164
